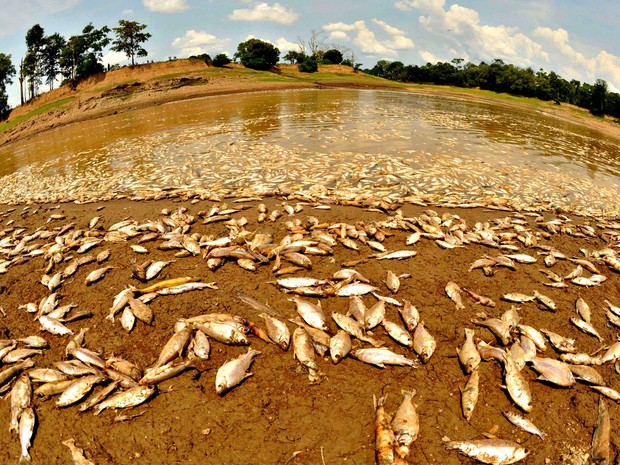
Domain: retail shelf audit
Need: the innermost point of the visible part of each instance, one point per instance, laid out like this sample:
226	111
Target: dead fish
469	394
381	356
355	289
339	346
234	371
277	330
130	398
517	386
468	354
174	347
27	424
398	333
77	454
581	359
374	315
587	374
155	268
490	451
410	315
128	319
583	309
51	325
405	424
140	310
522	258
157	375
46	375
78	390
487	302
311	313
21	397
303	349
608	392
521	422
424	343
612	354
601	437
384	436
392	282
545	301
96	275
87	356
181	288
518	297
534	335
19	354
98	396
560	343
357	308
413	238
482	263
354	328
53	388
614	308
553	371
292	283
586	328
396	255
498	327
120	300
454	293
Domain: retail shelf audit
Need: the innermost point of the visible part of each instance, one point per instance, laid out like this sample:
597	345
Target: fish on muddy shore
234	371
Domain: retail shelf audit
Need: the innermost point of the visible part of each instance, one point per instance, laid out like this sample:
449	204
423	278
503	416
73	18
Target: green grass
6	125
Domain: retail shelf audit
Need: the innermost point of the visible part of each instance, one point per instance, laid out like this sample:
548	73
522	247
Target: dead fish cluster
320	331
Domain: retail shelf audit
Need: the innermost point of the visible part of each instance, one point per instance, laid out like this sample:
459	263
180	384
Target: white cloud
428	57
114	58
603	65
286	45
462	26
166	6
198	42
367	40
275	13
338	35
127	12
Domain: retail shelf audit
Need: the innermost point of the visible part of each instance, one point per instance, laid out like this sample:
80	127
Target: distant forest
501	77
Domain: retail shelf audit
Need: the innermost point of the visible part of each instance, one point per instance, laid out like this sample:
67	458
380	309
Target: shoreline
89	104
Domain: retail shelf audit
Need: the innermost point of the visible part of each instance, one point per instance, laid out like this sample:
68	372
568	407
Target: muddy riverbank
277	415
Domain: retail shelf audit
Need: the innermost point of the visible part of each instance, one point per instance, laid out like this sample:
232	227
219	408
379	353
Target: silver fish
526	425
398	333
490	451
601	437
454	291
410	315
78	390
339	346
311	313
21	396
516	385
553	371
224	333
469	394
130	398
234	371
381	356
405	424
468	354
97	275
586	328
27	423
354	328
374	315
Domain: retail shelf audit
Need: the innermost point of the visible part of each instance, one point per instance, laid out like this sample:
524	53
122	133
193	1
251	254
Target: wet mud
277	416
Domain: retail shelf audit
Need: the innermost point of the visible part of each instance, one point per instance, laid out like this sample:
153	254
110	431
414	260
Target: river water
321	142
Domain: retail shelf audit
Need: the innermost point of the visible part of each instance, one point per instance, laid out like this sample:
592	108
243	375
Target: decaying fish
277	330
482	300
303	349
553	371
454	292
354	328
78	390
586	328
384	436
97	275
374	315
405	424
469	394
21	396
490	451
398	333
125	399
234	371
468	354
410	315
157	375
381	356
77	454
223	332
27	424
583	309
392	282
339	346
424	343
174	347
521	422
311	313
516	384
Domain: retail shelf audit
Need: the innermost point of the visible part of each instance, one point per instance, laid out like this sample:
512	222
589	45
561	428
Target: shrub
309	65
257	54
220	60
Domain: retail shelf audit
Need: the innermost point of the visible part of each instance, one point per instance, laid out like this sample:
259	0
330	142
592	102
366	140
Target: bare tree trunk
21	81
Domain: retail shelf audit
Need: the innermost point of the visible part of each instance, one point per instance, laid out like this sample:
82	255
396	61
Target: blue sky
578	39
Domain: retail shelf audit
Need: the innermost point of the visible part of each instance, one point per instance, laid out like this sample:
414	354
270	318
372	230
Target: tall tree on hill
7	71
35	42
129	39
50	58
81	55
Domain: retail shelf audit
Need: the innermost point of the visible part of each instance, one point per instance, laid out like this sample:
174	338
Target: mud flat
278	415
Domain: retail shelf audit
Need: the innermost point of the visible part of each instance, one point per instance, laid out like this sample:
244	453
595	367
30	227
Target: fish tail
25	458
408	393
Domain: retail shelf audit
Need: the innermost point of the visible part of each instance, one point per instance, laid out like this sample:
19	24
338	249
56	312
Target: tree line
49	56
501	77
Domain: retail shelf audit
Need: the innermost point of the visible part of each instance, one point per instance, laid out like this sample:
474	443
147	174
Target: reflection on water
195	142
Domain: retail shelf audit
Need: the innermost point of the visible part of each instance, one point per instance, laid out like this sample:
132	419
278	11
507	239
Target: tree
81	54
7	71
35	41
293	56
257	54
332	57
221	59
129	37
309	65
50	58
599	97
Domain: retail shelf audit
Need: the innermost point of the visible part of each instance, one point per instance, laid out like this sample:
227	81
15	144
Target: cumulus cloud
275	13
603	65
165	6
462	26
428	57
285	45
199	42
114	58
367	40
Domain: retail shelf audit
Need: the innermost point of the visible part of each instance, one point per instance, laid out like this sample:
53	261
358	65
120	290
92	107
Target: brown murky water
334	140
